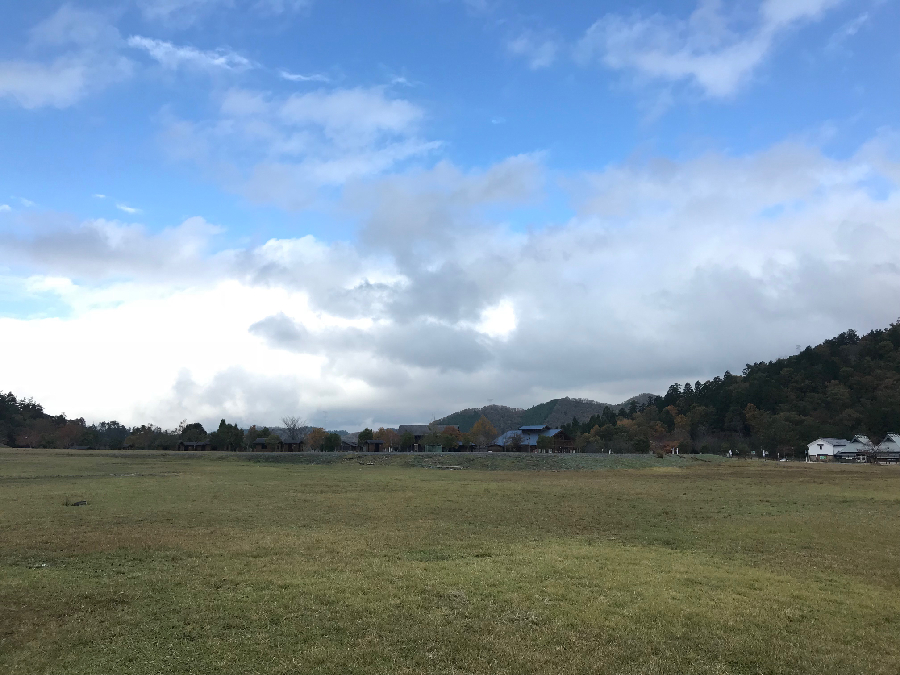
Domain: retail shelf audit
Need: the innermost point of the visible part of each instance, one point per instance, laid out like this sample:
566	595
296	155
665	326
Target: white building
824	449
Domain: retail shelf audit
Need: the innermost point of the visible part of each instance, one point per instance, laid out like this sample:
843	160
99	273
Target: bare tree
292	425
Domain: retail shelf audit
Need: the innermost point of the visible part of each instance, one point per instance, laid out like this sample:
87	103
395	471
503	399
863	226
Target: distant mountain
553	413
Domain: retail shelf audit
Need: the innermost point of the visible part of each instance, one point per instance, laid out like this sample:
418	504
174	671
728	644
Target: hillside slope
554	413
845	386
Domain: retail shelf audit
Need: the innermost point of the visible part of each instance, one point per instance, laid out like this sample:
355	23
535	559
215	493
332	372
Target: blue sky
388	210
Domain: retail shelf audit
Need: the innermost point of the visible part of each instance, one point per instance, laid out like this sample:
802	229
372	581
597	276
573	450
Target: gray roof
534	427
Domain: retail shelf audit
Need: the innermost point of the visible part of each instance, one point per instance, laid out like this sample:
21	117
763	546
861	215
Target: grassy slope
212	564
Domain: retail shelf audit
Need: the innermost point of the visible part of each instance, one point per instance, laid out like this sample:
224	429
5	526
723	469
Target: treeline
847	385
24	424
439	434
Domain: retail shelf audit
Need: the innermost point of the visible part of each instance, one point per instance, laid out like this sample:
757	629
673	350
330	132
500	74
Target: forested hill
553	413
845	386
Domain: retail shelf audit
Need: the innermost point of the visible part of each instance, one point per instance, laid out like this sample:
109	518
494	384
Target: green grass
215	563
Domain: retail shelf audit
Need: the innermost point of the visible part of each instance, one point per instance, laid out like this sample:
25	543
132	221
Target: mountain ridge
554	413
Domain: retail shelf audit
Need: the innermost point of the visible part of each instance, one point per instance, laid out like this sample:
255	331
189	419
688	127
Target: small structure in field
194	445
371	445
263	445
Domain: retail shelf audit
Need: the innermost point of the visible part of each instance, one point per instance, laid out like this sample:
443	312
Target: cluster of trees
447	436
847	385
23	423
230	437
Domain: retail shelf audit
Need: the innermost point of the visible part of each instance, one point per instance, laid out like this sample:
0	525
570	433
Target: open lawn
221	563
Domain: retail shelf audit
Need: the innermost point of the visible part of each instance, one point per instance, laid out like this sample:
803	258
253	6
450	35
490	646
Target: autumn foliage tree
483	432
390	437
315	438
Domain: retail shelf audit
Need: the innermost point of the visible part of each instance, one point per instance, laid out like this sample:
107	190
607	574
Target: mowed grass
216	564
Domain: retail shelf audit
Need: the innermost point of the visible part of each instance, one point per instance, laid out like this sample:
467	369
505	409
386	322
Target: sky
372	213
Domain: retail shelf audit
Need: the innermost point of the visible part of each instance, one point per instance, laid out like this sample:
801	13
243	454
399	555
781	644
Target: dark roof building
194	445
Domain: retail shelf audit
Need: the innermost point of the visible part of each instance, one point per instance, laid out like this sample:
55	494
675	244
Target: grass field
342	564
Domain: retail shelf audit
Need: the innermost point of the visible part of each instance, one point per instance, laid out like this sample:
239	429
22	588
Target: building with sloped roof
888	451
528	438
194	445
857	449
825	449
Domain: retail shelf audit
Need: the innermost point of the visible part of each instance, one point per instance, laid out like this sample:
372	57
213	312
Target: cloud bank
666	271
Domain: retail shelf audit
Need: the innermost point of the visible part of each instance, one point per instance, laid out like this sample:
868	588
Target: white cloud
102	249
5	207
297	77
127	209
80	58
173	56
539	52
711	49
99	196
33	85
669	271
283	149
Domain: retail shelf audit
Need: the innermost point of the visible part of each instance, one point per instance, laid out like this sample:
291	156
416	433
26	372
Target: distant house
349	445
825	449
528	439
888	451
419	431
194	445
861	444
373	445
262	445
856	450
